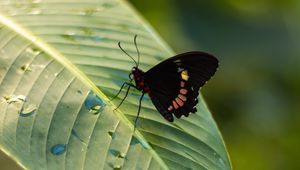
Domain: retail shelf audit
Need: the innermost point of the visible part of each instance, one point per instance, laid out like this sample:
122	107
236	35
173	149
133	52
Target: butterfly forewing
175	82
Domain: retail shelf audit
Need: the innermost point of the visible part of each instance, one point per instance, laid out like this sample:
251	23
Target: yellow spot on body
184	75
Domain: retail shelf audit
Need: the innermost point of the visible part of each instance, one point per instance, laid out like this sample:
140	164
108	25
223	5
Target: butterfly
172	85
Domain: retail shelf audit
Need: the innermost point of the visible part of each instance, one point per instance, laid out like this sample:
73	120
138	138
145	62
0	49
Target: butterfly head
136	74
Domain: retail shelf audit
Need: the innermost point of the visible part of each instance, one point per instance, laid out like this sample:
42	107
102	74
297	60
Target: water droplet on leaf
94	104
58	149
32	50
117	167
69	35
121	155
28	110
222	162
97	37
26	67
14	98
112	134
134	141
114	152
79	91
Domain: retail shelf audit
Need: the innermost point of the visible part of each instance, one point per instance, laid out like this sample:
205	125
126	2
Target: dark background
254	96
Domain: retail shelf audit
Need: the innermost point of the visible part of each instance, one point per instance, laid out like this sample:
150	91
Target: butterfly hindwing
174	83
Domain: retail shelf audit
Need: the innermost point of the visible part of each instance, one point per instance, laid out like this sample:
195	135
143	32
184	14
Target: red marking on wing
175	104
179	102
183	91
182	84
182	97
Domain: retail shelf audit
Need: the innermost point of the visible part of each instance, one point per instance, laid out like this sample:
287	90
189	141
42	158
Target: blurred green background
254	96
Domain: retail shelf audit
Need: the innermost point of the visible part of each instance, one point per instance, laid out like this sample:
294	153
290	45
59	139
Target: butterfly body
139	78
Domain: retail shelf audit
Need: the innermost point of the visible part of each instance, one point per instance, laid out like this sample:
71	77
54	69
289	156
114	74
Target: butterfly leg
127	91
125	83
140	105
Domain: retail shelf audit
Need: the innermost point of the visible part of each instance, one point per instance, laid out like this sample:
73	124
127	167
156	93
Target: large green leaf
59	64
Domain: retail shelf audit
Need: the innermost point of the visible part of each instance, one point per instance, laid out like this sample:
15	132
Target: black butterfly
173	85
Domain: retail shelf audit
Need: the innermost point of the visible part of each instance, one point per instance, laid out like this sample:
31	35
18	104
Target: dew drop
28	110
94	104
14	98
134	141
121	155
69	35
58	149
221	161
34	51
26	67
114	152
112	134
97	37
117	167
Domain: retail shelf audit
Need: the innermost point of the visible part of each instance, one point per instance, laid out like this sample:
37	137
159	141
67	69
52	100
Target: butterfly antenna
119	44
137	50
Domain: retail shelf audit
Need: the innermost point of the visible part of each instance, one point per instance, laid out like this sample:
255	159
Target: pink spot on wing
179	102
175	104
170	108
182	84
182	97
183	91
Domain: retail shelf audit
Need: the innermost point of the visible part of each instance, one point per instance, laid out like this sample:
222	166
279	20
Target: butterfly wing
174	83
